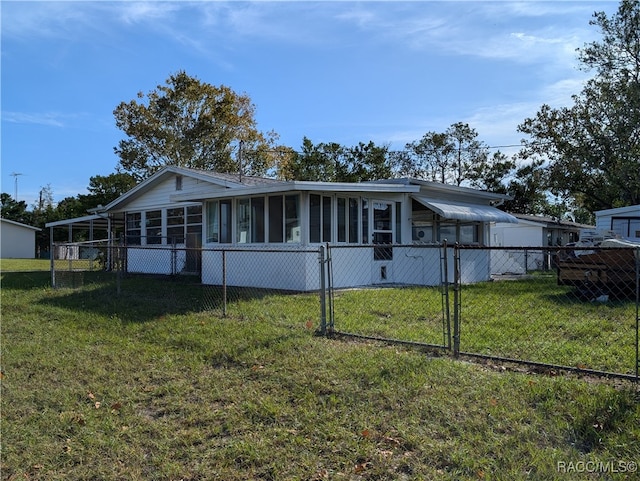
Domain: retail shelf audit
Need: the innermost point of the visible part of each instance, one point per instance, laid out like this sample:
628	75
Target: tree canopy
593	147
190	123
332	162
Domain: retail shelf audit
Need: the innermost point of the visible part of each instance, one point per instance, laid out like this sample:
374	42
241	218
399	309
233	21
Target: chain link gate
509	304
577	310
365	300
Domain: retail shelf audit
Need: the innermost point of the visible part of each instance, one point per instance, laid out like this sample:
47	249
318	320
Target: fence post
224	283
119	265
446	312
323	294
329	263
637	318
456	300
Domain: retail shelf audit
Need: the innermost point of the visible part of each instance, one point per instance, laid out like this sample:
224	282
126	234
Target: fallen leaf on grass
391	440
361	467
91	396
97	404
309	324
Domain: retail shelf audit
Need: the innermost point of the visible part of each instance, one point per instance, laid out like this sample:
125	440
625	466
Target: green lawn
144	386
532	319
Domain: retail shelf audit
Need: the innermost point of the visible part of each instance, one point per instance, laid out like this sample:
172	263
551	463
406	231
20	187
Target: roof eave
296	186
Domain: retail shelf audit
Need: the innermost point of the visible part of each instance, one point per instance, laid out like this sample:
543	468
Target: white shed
624	221
17	241
525	241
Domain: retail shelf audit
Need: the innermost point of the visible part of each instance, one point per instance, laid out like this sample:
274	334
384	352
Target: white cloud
50	119
141	12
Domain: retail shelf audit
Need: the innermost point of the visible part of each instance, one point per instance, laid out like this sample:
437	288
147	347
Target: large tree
593	147
194	124
14	210
455	156
333	162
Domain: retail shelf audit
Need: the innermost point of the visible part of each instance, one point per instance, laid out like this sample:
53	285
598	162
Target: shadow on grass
26	280
139	298
581	298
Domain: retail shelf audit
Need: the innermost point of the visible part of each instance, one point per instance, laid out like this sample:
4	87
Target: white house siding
351	266
273	269
604	219
18	241
151	260
159	196
517	261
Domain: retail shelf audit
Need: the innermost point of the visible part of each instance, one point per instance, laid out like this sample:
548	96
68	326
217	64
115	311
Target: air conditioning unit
422	234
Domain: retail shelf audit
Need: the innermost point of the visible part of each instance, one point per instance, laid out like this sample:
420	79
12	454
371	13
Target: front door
193	264
382	223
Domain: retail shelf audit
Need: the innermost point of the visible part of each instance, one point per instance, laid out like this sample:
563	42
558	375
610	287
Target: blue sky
332	71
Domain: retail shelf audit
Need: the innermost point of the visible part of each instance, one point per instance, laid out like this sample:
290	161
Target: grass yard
143	386
532	319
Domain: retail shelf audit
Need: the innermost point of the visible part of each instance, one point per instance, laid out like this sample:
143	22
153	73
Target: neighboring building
536	231
191	208
532	232
623	221
17	241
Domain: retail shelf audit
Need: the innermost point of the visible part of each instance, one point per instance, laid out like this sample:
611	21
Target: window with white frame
219	221
250	220
133	228
347	219
153	227
163	226
320	218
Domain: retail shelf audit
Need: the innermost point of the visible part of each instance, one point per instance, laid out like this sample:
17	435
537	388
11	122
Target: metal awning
464	211
95	220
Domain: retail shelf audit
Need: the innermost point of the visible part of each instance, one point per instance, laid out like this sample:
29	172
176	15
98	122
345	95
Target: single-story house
268	224
17	240
622	221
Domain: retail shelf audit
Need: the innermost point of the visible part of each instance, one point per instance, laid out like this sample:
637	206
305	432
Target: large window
626	226
134	228
319	218
219	221
347	221
169	226
292	218
175	225
153	227
276	218
250	220
273	219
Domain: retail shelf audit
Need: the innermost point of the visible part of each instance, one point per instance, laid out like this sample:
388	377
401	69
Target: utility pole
15	177
240	161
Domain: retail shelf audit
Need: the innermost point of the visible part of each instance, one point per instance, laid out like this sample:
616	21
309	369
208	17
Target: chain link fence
238	282
563	307
558	308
